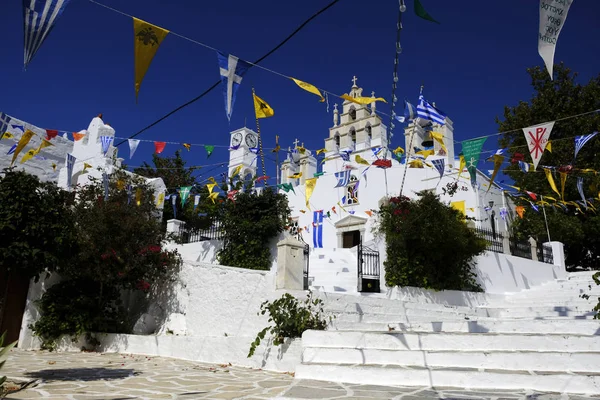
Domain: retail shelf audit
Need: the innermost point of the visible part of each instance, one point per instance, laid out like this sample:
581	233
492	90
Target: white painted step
399	308
577	327
450	341
513	361
541	311
454	378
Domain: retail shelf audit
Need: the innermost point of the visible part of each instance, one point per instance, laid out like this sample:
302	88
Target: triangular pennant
309	88
106	142
133	145
420	11
231	69
147	40
159	147
78	136
184	193
209	150
25	138
51	134
537	139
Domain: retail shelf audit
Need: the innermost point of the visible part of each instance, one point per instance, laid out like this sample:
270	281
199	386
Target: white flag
553	14
537	139
133	145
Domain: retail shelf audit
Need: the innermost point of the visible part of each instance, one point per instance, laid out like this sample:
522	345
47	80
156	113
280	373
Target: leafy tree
175	175
120	247
428	244
551	101
37	227
250	223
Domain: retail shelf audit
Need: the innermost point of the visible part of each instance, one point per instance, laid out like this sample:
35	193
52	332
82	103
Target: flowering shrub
120	241
428	244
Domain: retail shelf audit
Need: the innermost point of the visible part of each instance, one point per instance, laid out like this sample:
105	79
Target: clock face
251	140
236	139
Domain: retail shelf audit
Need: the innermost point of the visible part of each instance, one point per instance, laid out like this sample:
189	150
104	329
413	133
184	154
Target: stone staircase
543	339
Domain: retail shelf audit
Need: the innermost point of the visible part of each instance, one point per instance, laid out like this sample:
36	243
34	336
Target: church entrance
350	239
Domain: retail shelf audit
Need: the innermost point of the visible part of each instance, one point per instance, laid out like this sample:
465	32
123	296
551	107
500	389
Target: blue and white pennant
232	69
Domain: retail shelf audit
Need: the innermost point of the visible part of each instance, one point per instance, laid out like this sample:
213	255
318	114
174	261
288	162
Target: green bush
428	244
290	318
4	350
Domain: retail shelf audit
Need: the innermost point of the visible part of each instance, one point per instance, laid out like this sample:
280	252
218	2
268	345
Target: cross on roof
373	94
354	79
296	142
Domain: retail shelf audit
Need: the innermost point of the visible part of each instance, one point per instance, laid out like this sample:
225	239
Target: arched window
353	135
336	139
352	191
369	131
352	113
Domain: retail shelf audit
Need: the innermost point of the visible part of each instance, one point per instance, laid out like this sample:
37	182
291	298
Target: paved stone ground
86	376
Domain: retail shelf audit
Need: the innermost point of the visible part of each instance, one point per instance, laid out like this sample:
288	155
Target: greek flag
524	166
580	141
410	111
343	178
12	149
318	229
440	165
106	142
580	189
253	150
70	164
129	190
429	112
105	180
174	203
4	121
40	17
232	70
345	155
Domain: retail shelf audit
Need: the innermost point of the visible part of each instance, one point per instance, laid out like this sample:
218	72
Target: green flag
318	174
287	187
209	149
184	193
471	150
420	11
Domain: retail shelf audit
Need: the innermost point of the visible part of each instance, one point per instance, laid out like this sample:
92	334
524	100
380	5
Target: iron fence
493	239
306	265
520	248
544	253
368	269
214	232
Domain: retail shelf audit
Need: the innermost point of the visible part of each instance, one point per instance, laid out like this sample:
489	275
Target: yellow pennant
86	166
462	164
120	182
213	196
161	199
212	180
261	108
301	150
210	187
459	206
310	187
236	171
320	151
45	143
498	160
362	100
415	163
276	149
22	143
563	180
138	196
147	39
7	135
295	176
187	146
551	180
28	156
399	150
549	146
53	167
309	88
550	198
438	137
361	160
425	153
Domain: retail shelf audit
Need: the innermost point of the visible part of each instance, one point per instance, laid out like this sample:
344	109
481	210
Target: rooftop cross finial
354	79
296	142
373	94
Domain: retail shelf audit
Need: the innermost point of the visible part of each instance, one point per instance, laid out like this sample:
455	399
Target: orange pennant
520	211
78	136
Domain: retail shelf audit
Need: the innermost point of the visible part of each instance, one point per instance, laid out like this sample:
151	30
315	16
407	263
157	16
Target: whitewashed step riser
514	361
408	309
545	302
567	327
450	341
389	318
457	379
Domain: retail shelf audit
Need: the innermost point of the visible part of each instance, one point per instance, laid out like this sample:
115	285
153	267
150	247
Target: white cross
354	79
373	94
296	142
472	162
231	78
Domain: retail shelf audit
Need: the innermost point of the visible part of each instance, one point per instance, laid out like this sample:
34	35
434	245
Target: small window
352	191
336	139
353	135
352	113
369	131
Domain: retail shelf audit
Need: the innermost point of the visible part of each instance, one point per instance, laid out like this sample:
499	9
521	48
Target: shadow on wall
82	374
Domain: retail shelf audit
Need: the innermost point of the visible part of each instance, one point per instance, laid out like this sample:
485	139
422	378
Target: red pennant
261	178
381	163
517	157
51	134
532	195
159	147
567	169
231	195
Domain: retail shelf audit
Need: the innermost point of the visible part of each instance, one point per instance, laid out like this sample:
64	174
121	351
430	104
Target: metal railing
544	253
368	269
214	232
520	248
494	240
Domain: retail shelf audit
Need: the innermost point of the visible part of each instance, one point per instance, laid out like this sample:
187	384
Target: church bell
427	140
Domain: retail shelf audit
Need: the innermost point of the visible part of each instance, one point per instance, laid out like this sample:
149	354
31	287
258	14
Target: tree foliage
428	244
36	225
250	223
551	101
121	246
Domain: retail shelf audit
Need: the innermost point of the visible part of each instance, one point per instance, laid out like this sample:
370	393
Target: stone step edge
477	351
509	334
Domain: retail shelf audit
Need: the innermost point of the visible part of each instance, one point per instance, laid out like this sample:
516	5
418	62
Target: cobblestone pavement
86	376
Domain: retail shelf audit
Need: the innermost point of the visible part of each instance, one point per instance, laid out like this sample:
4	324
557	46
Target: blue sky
471	65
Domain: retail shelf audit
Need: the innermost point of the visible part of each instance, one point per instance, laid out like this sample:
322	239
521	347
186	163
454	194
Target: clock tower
243	150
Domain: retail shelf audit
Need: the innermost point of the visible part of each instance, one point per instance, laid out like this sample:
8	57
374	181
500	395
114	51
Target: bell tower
358	128
243	150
